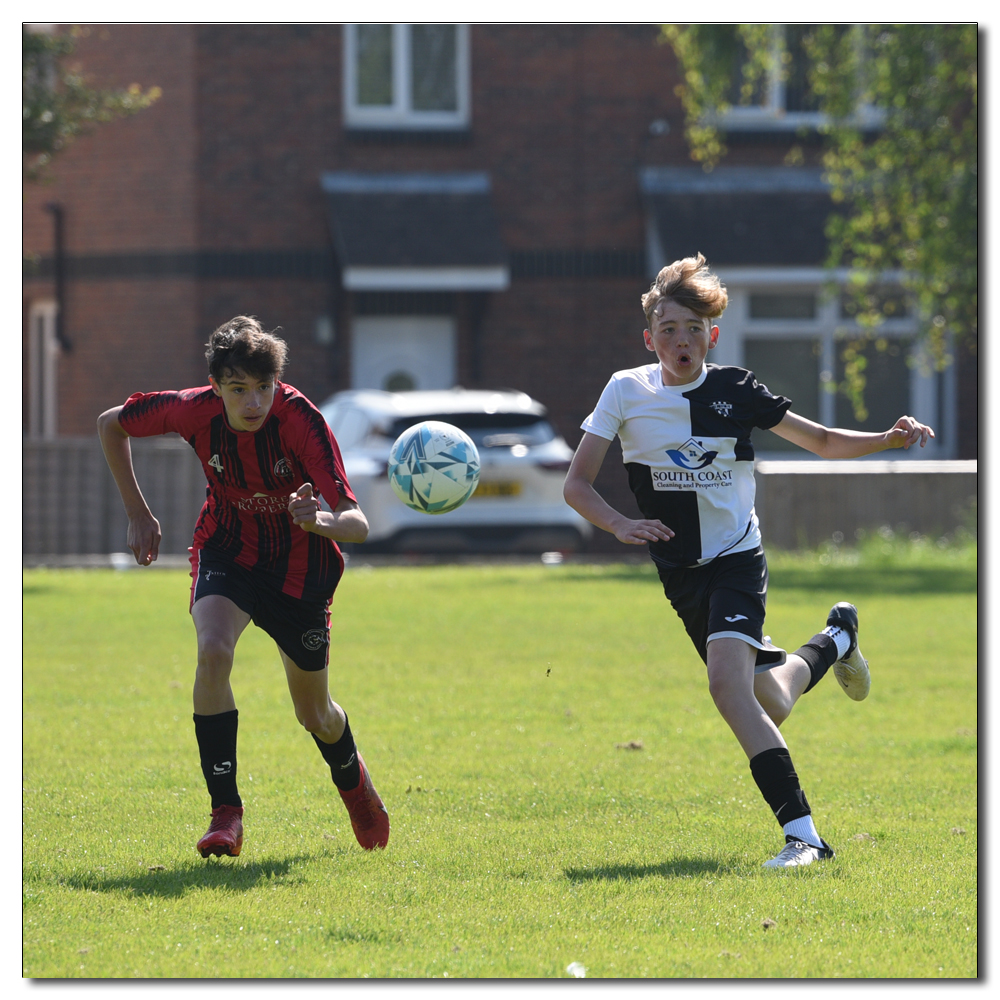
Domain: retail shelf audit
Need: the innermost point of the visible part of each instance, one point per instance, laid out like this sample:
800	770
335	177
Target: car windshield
488	430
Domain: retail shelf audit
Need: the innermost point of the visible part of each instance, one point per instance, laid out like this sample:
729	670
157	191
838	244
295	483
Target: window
785	101
406	76
43	360
788	366
786	327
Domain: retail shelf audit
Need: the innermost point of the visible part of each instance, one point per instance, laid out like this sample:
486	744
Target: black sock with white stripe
342	757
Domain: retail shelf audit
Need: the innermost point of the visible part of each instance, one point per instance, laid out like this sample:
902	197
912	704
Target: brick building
422	205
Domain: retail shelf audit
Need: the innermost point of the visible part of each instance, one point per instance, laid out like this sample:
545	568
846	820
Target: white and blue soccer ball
434	467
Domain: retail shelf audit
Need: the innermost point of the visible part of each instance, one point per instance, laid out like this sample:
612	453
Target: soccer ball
434	467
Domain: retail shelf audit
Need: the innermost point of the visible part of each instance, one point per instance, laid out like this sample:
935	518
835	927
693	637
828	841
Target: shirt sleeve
146	414
320	455
768	408
606	420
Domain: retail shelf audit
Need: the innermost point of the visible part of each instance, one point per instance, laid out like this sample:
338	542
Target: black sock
342	757
216	736
820	653
779	784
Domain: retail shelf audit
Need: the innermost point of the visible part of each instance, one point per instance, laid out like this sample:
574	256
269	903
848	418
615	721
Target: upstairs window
406	76
784	101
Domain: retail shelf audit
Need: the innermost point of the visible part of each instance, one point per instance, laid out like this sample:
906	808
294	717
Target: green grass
489	703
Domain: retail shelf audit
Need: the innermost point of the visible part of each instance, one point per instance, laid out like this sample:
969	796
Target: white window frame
43	370
933	396
771	115
400	115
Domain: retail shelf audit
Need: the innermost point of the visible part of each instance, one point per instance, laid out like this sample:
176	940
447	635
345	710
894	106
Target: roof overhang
416	232
746	216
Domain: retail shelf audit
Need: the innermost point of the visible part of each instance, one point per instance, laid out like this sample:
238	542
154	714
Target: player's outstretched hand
641	532
143	538
907	431
303	507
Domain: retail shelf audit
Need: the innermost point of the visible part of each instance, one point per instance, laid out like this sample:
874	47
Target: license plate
496	489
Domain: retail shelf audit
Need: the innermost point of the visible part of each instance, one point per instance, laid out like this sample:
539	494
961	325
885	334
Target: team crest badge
282	468
722	408
315	638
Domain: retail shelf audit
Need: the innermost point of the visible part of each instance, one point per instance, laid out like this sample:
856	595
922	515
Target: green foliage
57	104
901	146
499	709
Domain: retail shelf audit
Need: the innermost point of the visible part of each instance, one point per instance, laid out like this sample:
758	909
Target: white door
43	369
403	352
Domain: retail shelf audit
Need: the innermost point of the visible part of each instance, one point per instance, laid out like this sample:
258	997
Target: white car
518	505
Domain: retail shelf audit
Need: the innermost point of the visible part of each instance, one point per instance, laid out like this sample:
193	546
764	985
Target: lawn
560	786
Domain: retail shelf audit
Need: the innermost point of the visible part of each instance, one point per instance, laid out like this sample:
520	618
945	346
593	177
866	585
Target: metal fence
71	505
70	502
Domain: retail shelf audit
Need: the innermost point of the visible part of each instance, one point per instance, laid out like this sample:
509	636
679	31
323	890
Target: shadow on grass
885	578
213	873
681	868
878	579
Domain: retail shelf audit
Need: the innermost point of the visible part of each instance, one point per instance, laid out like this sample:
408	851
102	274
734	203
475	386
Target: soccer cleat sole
221	850
853	675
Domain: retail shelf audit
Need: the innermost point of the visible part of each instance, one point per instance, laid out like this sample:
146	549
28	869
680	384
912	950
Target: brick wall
128	186
229	161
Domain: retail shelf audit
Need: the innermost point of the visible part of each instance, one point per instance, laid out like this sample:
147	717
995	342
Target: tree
57	104
903	178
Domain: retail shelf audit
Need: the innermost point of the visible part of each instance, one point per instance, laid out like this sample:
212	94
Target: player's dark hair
690	284
242	345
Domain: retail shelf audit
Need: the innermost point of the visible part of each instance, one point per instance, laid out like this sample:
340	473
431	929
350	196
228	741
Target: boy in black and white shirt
685	432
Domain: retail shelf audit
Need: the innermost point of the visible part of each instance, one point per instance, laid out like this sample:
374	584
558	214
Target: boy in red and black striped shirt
264	550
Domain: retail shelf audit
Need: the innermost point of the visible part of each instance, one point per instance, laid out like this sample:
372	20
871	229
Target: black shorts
300	628
725	598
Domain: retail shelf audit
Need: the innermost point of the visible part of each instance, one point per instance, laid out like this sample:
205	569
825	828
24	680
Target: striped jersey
251	475
688	454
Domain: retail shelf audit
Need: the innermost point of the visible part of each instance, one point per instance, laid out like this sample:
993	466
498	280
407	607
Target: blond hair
690	284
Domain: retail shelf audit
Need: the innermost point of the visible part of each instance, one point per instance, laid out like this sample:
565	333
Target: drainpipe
59	273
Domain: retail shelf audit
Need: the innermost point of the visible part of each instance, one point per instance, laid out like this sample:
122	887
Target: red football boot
225	835
369	817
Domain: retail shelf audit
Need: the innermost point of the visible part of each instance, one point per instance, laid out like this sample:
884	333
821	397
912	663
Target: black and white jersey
688	454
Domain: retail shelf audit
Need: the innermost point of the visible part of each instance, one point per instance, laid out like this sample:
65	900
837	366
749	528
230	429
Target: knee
215	658
722	690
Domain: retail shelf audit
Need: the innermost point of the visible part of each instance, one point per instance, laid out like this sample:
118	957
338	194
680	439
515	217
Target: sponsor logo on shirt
702	479
263	503
691	455
694	469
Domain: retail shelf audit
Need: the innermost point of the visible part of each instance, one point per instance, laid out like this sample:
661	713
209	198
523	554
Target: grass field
496	707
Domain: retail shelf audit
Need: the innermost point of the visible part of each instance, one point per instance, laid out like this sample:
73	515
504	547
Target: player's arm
345	523
838	442
579	493
143	529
